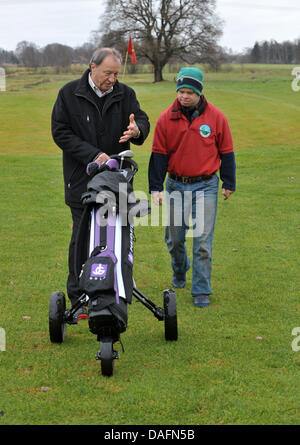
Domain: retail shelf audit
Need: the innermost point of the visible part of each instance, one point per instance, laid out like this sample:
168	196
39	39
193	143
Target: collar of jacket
83	88
176	111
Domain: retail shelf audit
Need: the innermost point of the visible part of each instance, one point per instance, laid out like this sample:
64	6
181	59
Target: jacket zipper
89	100
88	119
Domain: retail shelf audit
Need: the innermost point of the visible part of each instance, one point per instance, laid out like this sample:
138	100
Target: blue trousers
192	205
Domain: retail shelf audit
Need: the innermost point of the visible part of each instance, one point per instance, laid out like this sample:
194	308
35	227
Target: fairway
233	362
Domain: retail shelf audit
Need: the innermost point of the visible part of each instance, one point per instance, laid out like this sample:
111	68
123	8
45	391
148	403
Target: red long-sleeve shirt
193	148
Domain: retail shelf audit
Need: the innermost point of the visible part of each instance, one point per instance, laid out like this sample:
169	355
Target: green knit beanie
190	77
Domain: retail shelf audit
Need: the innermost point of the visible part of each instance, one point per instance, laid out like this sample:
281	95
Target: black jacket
82	131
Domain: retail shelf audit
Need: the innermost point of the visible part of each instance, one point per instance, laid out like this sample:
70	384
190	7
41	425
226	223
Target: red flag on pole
131	51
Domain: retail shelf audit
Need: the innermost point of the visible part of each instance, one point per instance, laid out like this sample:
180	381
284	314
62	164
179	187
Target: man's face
105	75
187	97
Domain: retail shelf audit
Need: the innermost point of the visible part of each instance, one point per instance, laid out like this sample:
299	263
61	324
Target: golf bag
104	246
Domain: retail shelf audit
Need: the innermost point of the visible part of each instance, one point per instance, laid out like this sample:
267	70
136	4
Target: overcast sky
71	22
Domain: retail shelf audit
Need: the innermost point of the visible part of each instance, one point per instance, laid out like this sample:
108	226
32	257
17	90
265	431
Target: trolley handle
114	162
96	167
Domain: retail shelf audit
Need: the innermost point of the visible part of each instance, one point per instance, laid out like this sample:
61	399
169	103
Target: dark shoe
80	314
201	301
179	280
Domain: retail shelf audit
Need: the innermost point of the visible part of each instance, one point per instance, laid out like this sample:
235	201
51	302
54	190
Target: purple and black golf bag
104	247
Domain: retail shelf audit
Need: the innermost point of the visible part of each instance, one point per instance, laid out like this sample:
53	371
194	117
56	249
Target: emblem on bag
98	270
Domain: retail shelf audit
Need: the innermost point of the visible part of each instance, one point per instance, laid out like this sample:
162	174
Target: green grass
233	362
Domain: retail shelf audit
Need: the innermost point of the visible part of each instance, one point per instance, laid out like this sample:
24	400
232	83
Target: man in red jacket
192	141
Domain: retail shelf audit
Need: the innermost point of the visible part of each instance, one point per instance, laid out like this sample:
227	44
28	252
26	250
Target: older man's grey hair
100	54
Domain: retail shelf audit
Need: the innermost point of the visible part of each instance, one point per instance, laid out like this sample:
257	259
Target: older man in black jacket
93	117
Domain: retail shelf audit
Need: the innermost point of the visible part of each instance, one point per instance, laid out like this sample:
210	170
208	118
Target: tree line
163	32
29	55
273	52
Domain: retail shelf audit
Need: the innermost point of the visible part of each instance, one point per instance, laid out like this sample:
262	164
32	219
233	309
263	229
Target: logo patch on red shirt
205	131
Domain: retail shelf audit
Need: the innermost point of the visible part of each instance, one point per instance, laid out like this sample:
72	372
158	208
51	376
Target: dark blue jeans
198	202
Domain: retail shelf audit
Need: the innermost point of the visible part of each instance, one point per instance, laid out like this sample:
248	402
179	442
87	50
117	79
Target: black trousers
72	282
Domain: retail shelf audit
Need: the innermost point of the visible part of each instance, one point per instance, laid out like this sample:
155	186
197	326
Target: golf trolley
104	262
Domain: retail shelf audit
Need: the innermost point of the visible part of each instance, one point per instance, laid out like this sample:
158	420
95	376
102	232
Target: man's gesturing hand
132	130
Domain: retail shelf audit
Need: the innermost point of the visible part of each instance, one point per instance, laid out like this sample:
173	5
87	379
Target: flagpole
126	57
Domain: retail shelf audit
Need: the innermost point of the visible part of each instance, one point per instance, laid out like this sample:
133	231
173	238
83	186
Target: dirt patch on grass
31	85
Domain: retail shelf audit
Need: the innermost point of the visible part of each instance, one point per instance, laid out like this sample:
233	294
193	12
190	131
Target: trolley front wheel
107	357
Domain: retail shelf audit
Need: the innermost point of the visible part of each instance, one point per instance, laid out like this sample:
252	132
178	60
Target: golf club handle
94	166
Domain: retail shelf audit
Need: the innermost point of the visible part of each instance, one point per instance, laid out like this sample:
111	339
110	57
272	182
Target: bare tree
58	55
83	53
164	29
28	54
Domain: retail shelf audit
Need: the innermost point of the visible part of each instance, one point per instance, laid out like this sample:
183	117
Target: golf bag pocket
98	275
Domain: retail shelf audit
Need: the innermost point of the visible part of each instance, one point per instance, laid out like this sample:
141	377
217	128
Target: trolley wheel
57	308
107	357
170	315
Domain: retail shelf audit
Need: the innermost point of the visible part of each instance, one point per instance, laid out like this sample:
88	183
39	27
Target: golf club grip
92	167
